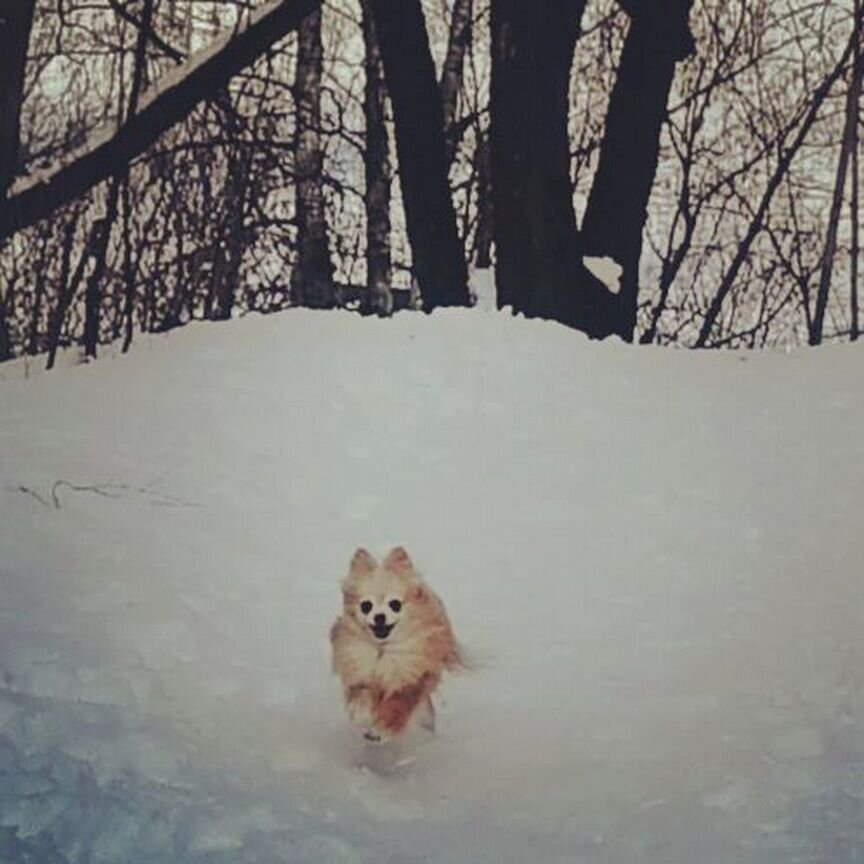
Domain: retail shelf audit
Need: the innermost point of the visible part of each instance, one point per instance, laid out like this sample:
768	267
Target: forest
163	161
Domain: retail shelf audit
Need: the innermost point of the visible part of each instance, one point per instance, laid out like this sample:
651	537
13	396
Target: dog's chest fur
391	666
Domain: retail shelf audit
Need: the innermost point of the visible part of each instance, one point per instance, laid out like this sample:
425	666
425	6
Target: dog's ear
398	561
361	563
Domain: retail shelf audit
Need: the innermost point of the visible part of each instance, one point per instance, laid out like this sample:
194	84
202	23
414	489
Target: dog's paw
360	714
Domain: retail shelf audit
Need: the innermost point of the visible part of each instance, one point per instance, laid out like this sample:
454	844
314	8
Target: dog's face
382	598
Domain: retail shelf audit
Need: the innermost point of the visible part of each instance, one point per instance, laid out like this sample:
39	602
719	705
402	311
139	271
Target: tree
439	258
855	216
788	153
185	209
848	148
106	153
94	292
451	73
16	22
539	255
378	174
312	274
659	37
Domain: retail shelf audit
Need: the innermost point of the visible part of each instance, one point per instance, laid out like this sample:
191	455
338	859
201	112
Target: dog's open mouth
382	631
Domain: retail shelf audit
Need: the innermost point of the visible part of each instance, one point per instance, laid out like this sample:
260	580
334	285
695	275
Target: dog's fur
391	645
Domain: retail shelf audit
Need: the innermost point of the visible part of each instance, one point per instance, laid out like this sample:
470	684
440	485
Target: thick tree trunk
451	74
378	176
16	21
312	276
539	258
829	251
439	262
618	204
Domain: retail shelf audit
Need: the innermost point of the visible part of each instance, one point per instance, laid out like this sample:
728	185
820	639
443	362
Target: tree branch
162	107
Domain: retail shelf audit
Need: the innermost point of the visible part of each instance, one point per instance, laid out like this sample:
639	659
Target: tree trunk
618	204
312	276
439	257
451	74
539	260
65	290
6	299
16	21
226	270
39	291
94	291
130	267
485	219
855	215
378	176
847	144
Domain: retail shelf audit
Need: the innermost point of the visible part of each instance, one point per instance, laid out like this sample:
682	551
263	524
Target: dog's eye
395	605
366	607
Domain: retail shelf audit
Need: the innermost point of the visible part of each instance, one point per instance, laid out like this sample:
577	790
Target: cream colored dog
391	644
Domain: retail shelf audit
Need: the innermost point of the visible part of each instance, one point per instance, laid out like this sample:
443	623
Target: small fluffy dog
391	644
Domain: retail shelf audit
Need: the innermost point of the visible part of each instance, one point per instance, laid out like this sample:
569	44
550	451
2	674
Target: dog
391	645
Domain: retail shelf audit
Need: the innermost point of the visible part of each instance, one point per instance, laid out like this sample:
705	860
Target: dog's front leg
362	701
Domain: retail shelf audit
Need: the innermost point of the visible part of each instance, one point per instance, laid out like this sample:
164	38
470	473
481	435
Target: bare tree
848	146
539	256
378	174
757	222
312	275
160	110
439	258
855	216
16	22
658	38
206	218
94	292
451	73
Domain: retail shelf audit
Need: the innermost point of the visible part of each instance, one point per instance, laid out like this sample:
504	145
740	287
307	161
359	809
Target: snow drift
655	557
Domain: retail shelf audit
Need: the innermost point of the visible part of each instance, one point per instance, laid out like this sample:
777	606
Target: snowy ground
655	557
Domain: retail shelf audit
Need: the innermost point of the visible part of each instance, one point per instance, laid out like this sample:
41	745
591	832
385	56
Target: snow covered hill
654	556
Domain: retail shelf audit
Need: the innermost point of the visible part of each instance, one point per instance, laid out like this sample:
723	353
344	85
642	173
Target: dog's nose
380	619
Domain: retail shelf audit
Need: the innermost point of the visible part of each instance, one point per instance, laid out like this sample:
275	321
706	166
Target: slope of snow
654	557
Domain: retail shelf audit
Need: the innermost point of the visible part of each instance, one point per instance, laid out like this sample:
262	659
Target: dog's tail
460	659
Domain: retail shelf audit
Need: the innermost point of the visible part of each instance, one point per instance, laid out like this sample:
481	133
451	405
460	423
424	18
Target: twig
117	490
26	490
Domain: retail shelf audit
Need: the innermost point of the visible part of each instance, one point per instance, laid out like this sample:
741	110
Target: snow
481	286
607	270
654	558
